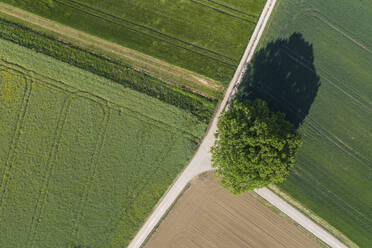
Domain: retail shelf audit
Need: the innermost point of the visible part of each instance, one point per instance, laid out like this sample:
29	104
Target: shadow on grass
283	74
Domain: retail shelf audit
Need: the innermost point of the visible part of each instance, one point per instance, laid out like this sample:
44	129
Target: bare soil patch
210	217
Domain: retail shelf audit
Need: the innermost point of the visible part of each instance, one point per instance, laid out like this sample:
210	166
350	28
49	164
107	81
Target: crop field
210	217
333	175
109	68
168	73
205	36
83	160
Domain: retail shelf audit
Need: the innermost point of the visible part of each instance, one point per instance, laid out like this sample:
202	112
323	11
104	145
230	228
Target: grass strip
111	69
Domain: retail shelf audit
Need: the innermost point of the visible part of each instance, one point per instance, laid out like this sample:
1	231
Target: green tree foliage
254	146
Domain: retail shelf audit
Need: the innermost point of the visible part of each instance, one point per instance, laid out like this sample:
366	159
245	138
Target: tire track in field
93	168
233	9
323	131
101	14
222	11
15	139
318	15
43	193
341	144
140	138
349	209
157	160
357	98
159	39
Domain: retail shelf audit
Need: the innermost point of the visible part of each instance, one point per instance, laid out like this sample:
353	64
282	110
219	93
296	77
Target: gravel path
201	161
300	218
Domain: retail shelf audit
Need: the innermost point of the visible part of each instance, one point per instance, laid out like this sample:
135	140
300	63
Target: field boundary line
201	161
15	139
37	77
71	89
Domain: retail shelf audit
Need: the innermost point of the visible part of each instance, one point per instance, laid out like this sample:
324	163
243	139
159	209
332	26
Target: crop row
111	69
225	12
147	31
187	37
226	8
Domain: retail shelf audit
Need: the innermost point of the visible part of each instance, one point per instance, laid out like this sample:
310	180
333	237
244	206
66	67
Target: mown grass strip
200	106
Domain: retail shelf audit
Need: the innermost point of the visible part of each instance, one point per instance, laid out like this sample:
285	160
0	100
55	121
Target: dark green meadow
333	175
83	160
204	36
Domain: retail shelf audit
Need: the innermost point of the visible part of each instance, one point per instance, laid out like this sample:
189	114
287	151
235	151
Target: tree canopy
254	146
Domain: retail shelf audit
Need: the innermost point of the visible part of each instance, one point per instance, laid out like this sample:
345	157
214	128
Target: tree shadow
283	74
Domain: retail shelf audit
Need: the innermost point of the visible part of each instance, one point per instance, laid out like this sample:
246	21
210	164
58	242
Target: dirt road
300	218
201	161
210	217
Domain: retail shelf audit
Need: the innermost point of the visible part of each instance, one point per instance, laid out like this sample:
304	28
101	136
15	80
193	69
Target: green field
333	175
83	160
205	36
109	68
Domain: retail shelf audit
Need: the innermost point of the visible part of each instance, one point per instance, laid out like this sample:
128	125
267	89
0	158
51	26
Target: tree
254	146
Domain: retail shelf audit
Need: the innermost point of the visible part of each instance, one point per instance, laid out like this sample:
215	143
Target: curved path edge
201	160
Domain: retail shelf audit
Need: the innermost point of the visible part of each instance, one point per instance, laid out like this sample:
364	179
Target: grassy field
333	175
83	160
204	36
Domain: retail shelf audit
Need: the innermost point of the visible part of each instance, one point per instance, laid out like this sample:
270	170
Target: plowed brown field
208	216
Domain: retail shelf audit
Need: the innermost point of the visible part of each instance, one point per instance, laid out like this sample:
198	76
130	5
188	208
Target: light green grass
208	37
83	160
333	175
